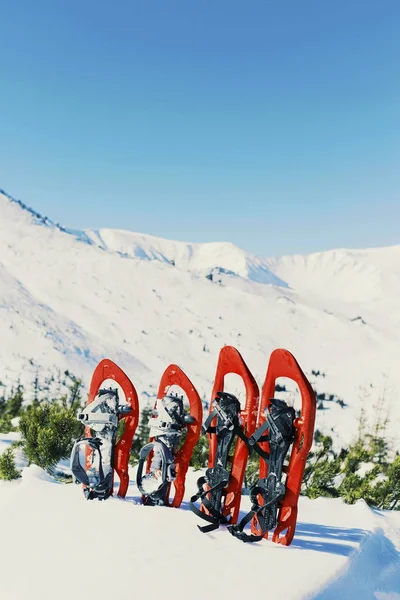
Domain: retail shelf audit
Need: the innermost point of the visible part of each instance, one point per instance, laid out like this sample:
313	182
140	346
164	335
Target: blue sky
274	125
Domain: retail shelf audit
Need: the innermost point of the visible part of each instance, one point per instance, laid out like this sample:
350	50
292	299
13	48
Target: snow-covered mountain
69	298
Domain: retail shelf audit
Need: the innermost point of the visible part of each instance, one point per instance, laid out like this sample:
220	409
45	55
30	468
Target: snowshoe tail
102	455
274	503
156	487
227	427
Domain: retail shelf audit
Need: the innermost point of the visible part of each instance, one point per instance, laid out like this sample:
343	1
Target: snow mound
56	543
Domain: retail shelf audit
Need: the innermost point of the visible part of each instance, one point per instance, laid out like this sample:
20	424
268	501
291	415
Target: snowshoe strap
251	443
258	435
98	413
102	487
209	497
207	423
167	472
98	418
271	494
279	422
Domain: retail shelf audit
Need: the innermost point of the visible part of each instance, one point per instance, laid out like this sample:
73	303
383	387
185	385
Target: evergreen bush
142	435
10	408
48	431
8	469
199	458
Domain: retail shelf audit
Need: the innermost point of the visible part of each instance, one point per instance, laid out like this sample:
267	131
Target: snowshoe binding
269	491
216	479
164	461
166	428
95	456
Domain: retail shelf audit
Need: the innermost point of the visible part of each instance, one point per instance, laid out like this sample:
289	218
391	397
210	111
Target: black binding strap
214	517
271	494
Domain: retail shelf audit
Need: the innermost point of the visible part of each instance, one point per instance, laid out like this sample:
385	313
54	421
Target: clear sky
274	124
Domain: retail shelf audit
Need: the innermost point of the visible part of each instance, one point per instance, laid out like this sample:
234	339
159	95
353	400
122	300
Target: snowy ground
54	544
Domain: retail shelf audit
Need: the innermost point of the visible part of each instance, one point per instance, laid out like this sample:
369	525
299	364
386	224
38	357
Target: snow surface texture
69	299
55	544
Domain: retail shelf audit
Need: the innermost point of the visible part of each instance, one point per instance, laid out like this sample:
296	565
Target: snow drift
56	544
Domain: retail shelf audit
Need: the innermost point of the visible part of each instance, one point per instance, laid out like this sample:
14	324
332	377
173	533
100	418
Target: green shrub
48	431
199	458
364	470
8	470
142	434
10	408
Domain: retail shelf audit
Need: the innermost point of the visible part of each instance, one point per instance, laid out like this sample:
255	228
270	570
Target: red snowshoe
274	503
165	461
228	427
102	454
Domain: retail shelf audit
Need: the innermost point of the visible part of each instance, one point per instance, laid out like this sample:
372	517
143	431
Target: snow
54	543
69	299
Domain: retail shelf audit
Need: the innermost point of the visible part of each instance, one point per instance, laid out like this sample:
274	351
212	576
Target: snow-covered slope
65	303
364	283
55	544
